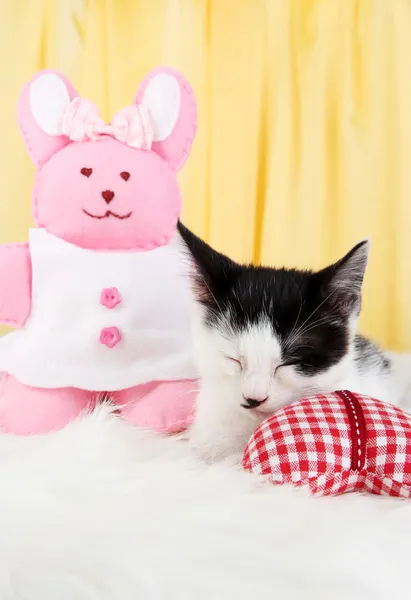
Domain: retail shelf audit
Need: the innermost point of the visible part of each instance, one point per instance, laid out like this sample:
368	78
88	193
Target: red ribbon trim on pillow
358	429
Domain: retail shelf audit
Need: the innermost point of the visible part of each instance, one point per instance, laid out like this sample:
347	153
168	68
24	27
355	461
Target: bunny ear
42	104
173	111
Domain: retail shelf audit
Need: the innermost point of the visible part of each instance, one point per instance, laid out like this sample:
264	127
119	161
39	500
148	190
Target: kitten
266	337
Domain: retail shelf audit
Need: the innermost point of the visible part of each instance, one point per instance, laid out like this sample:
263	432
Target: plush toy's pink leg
165	406
26	410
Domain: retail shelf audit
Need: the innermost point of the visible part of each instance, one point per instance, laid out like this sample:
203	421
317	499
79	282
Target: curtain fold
304	122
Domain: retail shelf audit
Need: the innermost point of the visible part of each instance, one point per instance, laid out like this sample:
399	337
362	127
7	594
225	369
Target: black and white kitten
266	337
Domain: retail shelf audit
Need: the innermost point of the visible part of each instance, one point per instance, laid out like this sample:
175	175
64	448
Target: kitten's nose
253	402
108	195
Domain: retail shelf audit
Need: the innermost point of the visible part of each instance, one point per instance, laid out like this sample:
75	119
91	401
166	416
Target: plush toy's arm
15	284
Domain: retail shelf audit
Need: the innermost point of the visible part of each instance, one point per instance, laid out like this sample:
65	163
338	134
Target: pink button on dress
110	297
110	336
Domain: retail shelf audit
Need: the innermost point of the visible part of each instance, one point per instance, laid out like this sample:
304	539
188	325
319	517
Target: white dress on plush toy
102	321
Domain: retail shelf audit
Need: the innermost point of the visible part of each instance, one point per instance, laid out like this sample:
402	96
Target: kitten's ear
343	280
213	272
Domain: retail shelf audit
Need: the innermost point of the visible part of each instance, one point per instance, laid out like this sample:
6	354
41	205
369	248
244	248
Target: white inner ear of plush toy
49	98
162	99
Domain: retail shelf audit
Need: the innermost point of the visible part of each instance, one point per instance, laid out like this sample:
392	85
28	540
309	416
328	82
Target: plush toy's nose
108	195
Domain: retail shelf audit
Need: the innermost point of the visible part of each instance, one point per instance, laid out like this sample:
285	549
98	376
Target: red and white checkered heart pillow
335	443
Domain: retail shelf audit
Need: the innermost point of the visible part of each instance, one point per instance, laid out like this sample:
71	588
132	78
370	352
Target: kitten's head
275	334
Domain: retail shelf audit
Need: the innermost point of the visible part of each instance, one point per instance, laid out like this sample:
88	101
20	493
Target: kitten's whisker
319	306
310	327
298	316
298	332
321	320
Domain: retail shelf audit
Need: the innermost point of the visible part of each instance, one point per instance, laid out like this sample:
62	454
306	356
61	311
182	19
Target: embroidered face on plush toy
108	186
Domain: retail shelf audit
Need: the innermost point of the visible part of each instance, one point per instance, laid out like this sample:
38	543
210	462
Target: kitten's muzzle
253	402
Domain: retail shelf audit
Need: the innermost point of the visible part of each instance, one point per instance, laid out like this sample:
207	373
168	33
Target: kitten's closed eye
289	363
235	361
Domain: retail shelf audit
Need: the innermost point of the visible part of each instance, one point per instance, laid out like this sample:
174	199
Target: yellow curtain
304	143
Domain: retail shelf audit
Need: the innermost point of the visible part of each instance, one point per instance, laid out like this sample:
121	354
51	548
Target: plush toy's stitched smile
107	214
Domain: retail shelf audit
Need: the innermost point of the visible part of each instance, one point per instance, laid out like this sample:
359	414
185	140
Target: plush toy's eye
125	175
86	172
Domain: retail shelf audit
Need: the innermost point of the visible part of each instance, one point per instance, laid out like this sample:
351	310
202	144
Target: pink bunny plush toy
99	294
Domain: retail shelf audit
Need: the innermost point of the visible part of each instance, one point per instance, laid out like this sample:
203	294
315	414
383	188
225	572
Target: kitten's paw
215	448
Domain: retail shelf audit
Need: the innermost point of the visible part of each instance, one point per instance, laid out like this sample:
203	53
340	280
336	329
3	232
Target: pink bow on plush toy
131	126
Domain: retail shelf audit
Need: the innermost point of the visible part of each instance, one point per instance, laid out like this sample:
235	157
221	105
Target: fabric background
305	122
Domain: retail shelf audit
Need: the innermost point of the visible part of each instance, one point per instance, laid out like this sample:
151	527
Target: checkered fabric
335	443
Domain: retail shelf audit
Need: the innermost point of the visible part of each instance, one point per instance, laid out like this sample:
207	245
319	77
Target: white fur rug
101	511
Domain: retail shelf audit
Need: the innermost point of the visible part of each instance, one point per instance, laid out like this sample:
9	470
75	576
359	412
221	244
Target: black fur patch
308	311
368	355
